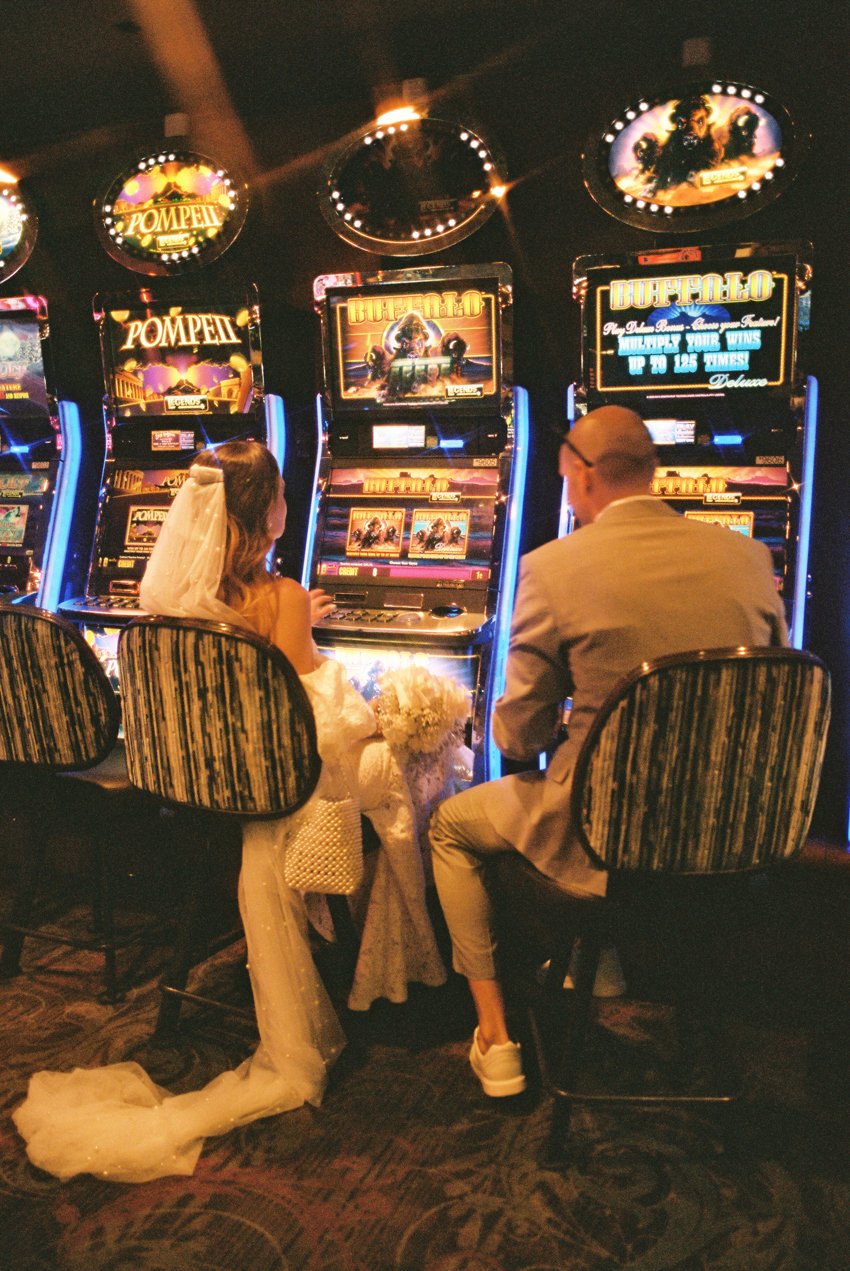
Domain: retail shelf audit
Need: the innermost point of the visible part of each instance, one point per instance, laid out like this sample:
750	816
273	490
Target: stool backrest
57	708
215	718
704	762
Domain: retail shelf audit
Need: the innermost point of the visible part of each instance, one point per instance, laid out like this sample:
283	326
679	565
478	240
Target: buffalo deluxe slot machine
180	377
705	344
417	503
40	455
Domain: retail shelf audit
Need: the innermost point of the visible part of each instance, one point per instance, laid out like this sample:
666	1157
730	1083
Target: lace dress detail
397	944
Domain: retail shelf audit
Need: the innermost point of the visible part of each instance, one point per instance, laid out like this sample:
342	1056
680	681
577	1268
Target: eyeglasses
588	463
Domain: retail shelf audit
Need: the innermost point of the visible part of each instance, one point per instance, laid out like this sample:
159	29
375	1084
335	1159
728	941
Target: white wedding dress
114	1122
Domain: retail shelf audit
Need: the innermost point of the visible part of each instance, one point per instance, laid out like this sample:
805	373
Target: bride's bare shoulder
273	590
277	601
286	591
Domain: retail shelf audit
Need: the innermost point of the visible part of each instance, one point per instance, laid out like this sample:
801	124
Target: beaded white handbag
325	854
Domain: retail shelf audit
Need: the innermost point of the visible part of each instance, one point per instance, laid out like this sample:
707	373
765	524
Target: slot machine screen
415	345
366	662
132	517
412	527
23	387
180	361
24	510
13	524
104	641
672	432
657	330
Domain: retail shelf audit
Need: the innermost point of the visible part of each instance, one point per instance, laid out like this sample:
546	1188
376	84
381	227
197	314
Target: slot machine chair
59	720
699	772
219	728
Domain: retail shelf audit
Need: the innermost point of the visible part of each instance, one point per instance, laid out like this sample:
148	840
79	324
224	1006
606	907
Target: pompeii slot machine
417	504
704	344
179	378
40	455
182	367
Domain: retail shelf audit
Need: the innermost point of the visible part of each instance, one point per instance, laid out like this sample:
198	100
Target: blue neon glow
728	439
59	527
452	443
276	428
313	514
565	517
275	440
22	450
801	580
510	570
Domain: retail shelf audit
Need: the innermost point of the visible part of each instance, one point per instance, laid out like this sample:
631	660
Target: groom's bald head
608	455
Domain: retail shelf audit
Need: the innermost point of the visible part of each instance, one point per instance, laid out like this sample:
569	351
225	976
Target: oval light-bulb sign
18	230
171	212
411	186
715	152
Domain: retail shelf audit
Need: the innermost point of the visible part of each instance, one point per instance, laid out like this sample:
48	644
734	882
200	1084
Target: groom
635	582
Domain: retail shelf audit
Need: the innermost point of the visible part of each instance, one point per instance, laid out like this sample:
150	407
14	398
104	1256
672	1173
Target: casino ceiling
271	82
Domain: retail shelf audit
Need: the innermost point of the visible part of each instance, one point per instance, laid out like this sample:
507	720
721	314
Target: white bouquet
420	712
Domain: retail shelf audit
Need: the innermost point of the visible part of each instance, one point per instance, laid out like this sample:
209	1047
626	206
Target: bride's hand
321	604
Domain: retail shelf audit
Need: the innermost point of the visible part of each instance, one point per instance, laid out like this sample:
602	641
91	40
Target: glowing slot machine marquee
415	518
706	344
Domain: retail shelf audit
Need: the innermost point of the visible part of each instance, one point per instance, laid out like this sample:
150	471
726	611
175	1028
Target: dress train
115	1123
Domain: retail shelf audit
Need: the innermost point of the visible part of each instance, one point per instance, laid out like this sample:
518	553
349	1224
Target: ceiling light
400	114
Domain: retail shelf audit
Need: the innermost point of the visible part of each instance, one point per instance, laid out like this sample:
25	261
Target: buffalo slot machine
704	343
40	455
179	378
417	504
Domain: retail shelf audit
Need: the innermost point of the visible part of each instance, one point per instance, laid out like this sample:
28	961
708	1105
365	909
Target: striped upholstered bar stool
219	728
59	764
700	770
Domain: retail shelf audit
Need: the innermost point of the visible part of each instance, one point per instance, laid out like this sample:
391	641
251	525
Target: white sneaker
499	1069
609	981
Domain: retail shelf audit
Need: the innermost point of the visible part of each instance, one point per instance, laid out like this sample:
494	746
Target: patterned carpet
407	1166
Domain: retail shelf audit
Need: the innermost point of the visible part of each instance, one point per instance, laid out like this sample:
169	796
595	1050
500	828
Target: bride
209	563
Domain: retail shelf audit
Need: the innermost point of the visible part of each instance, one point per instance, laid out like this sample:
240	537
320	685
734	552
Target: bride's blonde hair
251	478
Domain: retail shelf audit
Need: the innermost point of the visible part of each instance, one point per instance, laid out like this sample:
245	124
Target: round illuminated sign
412	187
171	212
18	231
715	152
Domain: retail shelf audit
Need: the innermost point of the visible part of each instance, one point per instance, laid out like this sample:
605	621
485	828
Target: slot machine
40	456
179	377
417	504
706	344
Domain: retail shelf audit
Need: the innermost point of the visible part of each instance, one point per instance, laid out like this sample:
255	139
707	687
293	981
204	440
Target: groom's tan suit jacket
639	582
